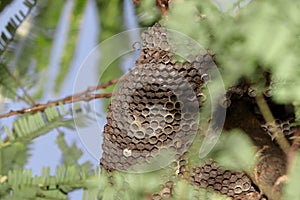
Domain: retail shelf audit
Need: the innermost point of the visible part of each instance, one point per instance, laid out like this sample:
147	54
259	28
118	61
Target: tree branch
268	116
81	96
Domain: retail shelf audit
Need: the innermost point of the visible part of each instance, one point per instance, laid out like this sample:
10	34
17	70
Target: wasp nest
234	184
156	106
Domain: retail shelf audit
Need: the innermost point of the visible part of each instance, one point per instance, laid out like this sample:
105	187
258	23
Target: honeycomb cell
168	130
203	183
166	192
224	190
211	180
246	186
219	178
146	125
217	186
169	105
251	92
230	192
154	124
153	140
139	134
158	131
233	178
268	92
169	118
213	173
177	116
134	127
227	174
149	131
156	197
185	127
162	137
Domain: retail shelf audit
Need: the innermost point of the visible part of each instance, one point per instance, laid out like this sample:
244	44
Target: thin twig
268	116
81	96
98	87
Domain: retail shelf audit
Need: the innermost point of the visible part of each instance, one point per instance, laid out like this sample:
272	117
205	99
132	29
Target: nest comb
156	106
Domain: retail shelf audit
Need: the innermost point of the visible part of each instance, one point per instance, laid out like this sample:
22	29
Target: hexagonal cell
227	174
246	186
140	134
210	186
217	186
162	123
213	173
219	178
176	127
203	183
154	124
158	131
177	116
140	145
230	192
232	185
168	129
162	137
140	118
149	131
153	140
154	110
185	127
169	105
134	126
163	112
145	124
167	141
178	105
224	190
233	178
205	175
169	118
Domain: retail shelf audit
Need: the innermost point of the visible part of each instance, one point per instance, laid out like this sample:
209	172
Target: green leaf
235	151
30	126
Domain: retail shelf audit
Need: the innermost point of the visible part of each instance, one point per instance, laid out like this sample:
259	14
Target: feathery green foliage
71	155
24	185
30	126
4	3
261	36
8	85
13	23
233	151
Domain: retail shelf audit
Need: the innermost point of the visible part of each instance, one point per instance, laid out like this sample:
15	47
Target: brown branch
268	116
81	96
271	160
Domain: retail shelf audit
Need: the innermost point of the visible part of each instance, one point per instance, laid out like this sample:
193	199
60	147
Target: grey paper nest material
155	108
